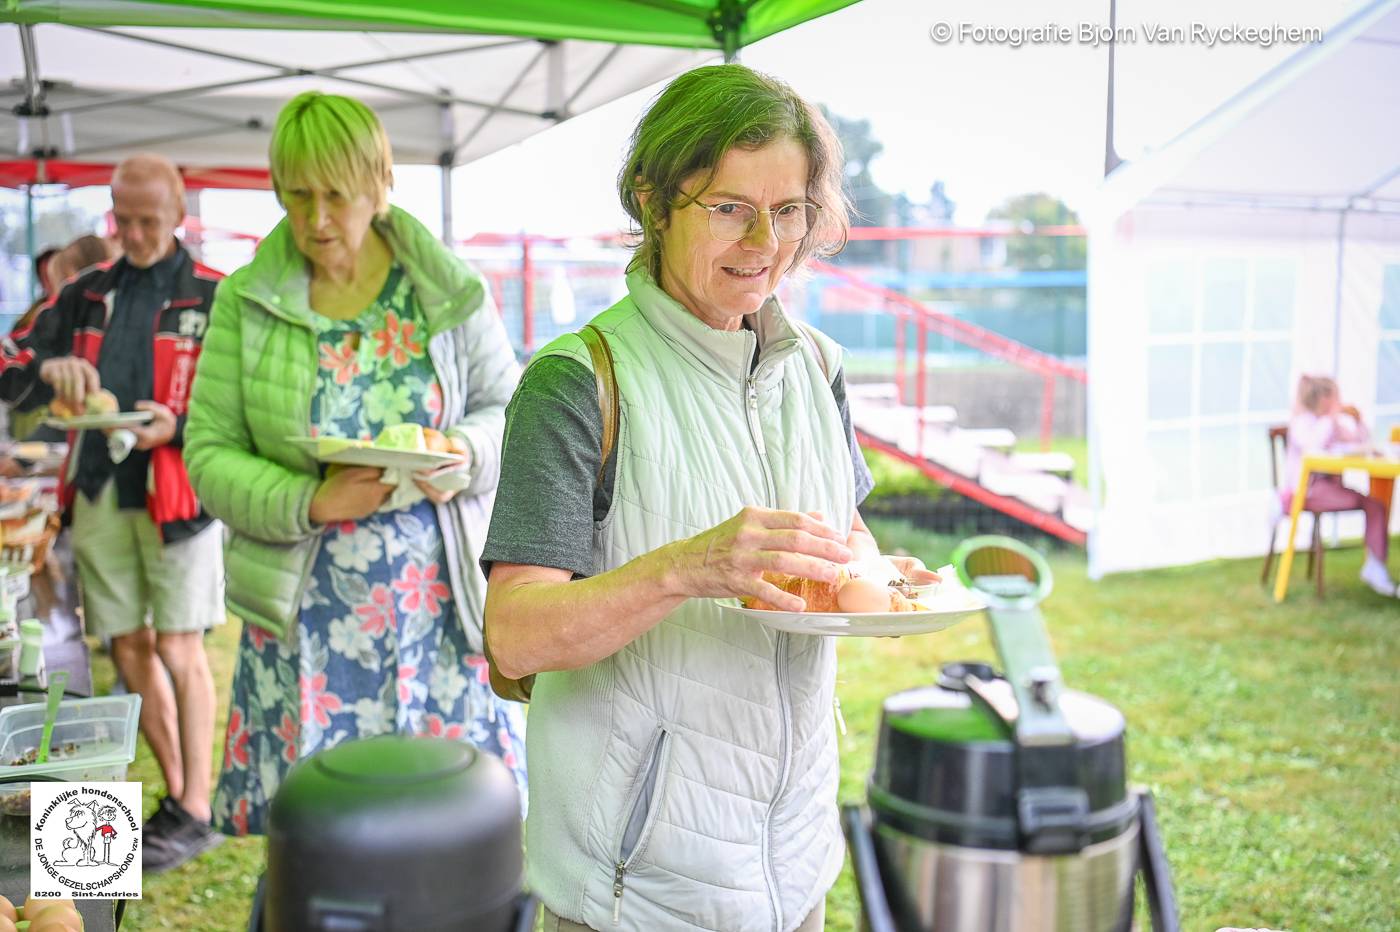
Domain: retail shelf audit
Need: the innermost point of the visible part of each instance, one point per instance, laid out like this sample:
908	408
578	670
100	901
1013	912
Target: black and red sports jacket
74	323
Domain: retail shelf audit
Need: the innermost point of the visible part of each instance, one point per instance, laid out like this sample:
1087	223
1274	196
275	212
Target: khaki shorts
552	923
130	579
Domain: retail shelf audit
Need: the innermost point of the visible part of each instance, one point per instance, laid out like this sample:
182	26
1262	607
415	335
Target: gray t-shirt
549	496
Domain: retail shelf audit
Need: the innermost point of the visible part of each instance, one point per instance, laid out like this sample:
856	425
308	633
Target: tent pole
29	239
1337	299
445	168
33	84
727	25
445	160
1110	153
194	232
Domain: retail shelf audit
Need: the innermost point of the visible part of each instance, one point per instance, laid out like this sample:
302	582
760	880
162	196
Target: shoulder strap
606	381
816	349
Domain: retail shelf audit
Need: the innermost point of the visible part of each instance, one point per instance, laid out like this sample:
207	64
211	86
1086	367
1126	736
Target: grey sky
988	119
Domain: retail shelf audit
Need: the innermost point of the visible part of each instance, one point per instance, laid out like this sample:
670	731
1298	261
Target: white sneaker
1376	576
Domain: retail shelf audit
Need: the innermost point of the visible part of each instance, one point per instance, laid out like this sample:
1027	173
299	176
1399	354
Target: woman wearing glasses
684	767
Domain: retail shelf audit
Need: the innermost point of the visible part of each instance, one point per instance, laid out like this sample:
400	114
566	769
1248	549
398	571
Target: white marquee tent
1261	244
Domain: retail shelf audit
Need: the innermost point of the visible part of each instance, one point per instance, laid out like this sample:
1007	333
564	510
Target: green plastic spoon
56	684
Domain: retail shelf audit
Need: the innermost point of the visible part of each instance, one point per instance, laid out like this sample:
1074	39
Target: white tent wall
1369	332
1262	244
1204	319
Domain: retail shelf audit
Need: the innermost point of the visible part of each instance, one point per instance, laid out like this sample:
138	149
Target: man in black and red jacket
149	559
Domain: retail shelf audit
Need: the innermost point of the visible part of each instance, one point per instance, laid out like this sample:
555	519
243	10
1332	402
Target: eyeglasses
734	220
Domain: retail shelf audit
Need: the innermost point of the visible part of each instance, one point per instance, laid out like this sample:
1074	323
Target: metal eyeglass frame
772	219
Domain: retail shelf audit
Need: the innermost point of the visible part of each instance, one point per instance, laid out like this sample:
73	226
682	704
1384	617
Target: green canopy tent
453	80
723	25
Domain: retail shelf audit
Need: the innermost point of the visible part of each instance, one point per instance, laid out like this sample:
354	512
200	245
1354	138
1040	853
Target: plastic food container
95	738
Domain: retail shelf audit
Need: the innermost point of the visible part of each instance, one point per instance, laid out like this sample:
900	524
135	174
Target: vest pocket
639	815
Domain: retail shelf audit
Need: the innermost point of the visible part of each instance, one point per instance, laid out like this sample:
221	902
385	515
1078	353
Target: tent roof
96	81
1316	132
691	24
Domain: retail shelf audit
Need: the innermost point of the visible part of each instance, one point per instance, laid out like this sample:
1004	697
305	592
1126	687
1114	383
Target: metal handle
1156	873
873	901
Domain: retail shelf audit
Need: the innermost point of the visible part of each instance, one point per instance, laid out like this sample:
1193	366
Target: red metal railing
907	310
1050	524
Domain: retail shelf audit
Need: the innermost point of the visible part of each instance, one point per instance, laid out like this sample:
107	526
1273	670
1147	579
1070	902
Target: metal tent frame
452	82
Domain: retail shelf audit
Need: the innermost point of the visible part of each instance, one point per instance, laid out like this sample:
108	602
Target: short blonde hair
334	143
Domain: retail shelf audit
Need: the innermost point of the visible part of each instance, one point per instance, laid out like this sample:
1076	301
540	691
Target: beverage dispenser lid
395	759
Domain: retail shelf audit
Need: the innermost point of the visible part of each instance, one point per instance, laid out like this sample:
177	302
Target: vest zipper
769	871
617	891
785	763
651	773
316	546
751	417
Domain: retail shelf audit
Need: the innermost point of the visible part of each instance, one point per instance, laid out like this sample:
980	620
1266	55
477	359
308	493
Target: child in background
1322	424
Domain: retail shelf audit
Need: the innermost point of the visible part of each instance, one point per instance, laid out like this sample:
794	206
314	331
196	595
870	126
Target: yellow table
1383	471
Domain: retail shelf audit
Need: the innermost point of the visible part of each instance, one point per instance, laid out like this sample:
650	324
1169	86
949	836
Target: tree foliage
1041	252
873	206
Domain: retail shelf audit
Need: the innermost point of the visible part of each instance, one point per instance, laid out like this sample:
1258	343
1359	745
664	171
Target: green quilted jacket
253	390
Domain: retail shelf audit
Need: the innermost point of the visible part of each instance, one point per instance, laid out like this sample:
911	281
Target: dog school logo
85	840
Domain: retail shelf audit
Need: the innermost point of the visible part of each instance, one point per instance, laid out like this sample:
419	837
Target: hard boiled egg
863	595
57	920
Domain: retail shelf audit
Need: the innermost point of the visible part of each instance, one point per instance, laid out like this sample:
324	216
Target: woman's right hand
349	494
729	560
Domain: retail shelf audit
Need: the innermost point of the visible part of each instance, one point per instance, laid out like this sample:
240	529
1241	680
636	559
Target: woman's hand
426	480
729	560
349	494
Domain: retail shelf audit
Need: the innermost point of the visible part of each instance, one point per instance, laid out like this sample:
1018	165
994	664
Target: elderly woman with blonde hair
685	762
361	602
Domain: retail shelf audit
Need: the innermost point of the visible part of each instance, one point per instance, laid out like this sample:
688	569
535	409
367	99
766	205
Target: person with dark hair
684	767
41	272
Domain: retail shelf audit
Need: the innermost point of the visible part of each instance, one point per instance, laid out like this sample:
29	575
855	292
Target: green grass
1269	734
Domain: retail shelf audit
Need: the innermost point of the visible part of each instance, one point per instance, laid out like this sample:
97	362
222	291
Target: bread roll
823	596
102	402
436	440
60	407
819	596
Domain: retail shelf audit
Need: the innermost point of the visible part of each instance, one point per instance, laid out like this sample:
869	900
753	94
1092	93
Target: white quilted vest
689	781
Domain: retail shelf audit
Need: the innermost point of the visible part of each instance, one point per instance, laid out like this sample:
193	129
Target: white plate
949	607
15	509
100	421
359	453
36	451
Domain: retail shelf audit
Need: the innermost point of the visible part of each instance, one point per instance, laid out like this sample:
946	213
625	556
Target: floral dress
378	648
